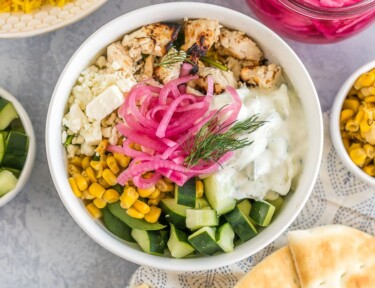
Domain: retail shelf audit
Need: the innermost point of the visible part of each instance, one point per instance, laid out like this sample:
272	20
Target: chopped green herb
214	63
68	140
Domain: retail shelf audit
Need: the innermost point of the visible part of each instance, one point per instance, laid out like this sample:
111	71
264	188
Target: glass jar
300	20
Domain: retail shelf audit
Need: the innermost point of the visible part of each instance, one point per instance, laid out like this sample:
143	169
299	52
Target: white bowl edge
169	12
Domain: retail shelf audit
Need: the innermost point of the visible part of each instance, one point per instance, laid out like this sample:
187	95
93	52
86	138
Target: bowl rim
29	163
106	239
335	120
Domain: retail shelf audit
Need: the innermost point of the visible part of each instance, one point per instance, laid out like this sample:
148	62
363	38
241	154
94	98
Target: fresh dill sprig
172	57
214	63
212	141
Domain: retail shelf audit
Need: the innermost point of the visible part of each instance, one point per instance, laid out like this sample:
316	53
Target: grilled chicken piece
200	35
149	67
168	71
118	58
221	78
154	39
238	45
263	76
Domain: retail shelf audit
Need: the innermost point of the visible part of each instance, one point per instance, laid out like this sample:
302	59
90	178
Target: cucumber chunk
201	203
217	195
16	146
178	243
116	226
261	213
7	182
2	146
15	172
277	203
225	237
174	213
186	195
204	241
245	206
198	218
7	113
150	241
134	223
241	224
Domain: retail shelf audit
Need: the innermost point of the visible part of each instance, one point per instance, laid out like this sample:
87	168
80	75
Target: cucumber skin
16	147
241	224
186	195
181	238
7	113
220	234
204	243
174	218
155	241
259	213
133	223
190	213
116	226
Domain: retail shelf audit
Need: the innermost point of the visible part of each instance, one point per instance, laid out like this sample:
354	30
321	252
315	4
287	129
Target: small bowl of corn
353	123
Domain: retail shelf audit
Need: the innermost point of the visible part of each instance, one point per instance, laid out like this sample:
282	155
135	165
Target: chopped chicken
238	45
118	58
268	77
168	72
154	39
221	78
200	35
149	67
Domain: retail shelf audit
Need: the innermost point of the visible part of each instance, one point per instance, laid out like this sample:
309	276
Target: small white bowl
27	168
335	124
276	50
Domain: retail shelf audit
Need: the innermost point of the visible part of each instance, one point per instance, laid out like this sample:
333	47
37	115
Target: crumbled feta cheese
72	150
83	94
101	62
114	137
126	84
64	135
87	149
105	103
92	133
106	132
75	118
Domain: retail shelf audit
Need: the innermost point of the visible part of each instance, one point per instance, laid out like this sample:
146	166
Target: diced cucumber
2	146
261	213
277	203
201	203
150	241
198	218
241	224
16	125
7	113
16	146
186	195
116	226
134	223
225	237
174	213
204	241
15	172
165	234
245	206
7	182
217	195
178	243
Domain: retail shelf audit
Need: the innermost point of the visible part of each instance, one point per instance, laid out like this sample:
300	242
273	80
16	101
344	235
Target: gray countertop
40	244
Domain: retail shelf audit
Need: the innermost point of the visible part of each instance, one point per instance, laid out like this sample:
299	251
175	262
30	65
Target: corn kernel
97	190
86	162
153	215
112	164
137	147
358	156
370	150
77	161
87	196
370	99
104	183
370	170
154	202
346	143
346	114
199	188
74	187
141	207
81	181
154	194
164	186
132	212
94	211
87	178
73	169
91	174
146	192
100	203
109	177
359	117
102	147
96	165
352	126
122	160
148	175
111	195
364	126
352	104
128	197
366	79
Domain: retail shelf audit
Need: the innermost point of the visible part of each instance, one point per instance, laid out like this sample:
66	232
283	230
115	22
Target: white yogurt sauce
274	158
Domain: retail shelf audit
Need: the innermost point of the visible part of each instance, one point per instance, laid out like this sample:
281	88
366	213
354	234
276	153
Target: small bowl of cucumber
17	147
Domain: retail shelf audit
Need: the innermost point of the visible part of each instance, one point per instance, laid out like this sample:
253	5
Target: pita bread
333	256
275	271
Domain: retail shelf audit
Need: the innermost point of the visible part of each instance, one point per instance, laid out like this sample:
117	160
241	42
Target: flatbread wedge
275	271
333	256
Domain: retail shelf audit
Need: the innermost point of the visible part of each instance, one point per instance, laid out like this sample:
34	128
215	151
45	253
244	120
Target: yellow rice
27	5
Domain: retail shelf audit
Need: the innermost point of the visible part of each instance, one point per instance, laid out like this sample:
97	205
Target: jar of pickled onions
315	21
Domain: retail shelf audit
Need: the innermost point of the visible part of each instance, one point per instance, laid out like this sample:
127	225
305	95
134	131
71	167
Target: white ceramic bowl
335	124
27	168
275	49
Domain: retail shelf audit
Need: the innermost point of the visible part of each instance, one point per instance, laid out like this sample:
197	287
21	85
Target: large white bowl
275	49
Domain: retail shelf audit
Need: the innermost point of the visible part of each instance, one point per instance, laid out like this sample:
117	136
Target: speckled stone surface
40	244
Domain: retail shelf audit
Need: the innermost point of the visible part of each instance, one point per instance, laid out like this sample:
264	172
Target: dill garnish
172	57
212	141
214	63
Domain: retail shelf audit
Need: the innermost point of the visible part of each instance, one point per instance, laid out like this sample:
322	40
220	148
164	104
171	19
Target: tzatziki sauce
274	159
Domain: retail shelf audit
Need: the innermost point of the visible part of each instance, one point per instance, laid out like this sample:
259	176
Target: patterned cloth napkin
338	197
